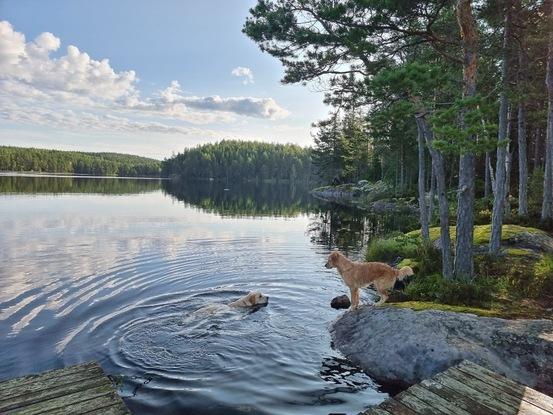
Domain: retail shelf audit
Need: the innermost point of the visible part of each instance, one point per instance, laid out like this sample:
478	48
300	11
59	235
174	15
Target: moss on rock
482	233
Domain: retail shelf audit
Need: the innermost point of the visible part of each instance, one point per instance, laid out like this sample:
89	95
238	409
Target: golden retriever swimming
252	299
358	275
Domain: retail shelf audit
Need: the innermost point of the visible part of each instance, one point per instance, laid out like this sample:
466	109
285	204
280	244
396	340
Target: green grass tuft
543	277
387	250
435	288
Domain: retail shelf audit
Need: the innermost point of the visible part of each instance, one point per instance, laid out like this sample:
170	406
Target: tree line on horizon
233	160
452	98
20	159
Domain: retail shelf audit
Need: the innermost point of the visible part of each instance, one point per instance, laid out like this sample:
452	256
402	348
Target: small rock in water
342	301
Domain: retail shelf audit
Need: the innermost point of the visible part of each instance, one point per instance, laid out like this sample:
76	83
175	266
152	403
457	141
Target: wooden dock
80	389
466	389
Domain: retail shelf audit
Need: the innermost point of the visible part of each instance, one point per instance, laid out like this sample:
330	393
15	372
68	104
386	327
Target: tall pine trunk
536	161
401	170
421	187
508	167
464	259
501	162
432	195
547	208
438	169
487	182
521	137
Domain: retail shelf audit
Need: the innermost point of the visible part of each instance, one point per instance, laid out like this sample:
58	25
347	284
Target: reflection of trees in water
350	229
58	185
331	225
243	199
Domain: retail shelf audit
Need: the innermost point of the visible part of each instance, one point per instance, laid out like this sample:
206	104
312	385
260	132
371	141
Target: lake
112	269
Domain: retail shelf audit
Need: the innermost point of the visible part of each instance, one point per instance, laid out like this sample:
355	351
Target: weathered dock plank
467	389
501	382
396	408
458	398
436	401
75	390
513	401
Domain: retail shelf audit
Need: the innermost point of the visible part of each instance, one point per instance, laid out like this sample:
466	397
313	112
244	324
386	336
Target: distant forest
241	160
76	162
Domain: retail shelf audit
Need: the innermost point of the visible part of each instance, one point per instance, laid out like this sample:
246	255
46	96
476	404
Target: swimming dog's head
254	298
332	259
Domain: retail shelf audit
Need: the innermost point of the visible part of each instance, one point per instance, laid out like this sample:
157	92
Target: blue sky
179	73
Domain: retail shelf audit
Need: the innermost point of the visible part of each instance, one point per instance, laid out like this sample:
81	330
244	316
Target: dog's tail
404	272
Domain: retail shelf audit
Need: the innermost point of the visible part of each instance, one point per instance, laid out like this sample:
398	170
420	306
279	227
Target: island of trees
19	159
232	160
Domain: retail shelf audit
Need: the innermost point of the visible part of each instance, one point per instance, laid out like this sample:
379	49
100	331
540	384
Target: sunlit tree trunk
464	260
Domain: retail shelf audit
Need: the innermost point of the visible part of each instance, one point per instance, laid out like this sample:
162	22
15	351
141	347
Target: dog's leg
355	298
383	298
352	297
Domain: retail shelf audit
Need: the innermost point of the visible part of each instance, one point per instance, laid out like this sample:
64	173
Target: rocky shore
376	197
400	346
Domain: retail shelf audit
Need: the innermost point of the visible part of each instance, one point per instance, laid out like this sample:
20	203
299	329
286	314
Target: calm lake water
111	270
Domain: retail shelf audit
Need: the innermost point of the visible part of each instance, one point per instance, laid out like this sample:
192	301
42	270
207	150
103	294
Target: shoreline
74	175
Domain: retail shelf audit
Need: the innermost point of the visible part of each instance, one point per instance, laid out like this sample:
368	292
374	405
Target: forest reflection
330	225
42	184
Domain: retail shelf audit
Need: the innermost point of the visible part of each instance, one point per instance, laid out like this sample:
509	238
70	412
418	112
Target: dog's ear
250	298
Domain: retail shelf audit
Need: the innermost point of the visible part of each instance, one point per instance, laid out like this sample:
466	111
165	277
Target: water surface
112	269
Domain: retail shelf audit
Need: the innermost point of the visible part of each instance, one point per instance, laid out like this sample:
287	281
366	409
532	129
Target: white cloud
74	74
243	72
201	110
74	91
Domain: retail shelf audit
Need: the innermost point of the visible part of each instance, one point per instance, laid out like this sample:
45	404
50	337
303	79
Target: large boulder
402	347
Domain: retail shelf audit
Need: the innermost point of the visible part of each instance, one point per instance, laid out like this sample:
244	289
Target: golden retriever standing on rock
358	275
